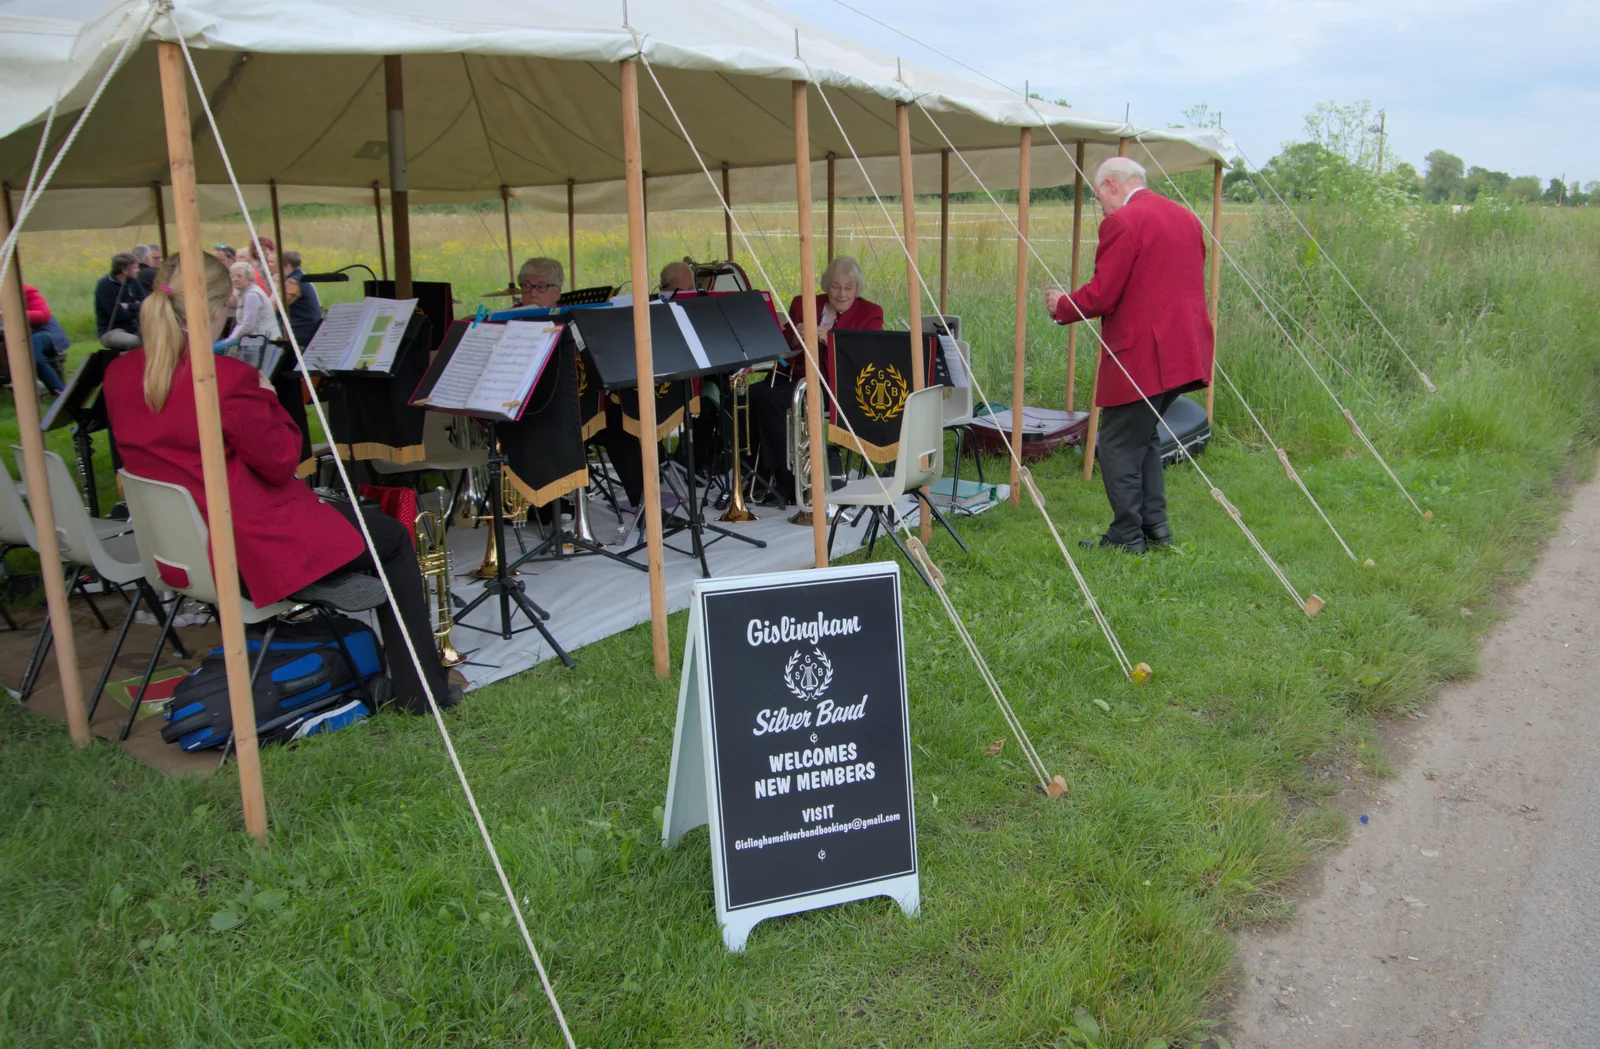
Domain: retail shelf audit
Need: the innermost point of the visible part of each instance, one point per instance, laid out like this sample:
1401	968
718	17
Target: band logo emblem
881	392
808	676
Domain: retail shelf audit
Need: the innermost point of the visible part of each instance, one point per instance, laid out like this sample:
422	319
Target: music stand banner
872	379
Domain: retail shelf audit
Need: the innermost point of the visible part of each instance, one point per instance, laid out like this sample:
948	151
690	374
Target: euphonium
433	560
580	517
737	510
797	450
513	504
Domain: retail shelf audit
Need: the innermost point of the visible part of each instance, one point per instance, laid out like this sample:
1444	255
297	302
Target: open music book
493	369
360	336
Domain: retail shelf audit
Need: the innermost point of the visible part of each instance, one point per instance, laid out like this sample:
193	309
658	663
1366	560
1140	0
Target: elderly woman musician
842	306
290	544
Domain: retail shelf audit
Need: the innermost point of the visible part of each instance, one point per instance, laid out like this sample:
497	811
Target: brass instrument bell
737	511
433	561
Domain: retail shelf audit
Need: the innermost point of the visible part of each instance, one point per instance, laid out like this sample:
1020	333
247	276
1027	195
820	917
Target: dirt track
1466	912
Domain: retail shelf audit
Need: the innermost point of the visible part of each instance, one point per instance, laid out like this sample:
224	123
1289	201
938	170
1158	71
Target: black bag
305	686
1186	421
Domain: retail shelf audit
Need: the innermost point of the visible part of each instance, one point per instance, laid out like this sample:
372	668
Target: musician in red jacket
1149	286
289	543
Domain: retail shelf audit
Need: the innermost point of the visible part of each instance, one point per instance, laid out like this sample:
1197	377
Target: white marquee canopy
515	93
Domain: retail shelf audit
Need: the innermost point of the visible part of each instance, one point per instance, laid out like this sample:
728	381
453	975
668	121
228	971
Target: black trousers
622	448
1130	463
399	560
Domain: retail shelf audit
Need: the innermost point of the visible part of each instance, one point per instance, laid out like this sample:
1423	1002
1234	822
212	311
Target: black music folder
692	336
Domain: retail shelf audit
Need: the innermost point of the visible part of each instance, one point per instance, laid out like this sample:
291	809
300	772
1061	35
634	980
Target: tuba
433	560
737	511
797	449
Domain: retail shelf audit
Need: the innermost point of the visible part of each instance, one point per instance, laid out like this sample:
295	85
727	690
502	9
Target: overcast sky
1508	84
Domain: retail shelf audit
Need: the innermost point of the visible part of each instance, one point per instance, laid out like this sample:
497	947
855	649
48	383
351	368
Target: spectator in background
117	298
48	339
145	272
225	255
156	255
265	267
300	297
256	316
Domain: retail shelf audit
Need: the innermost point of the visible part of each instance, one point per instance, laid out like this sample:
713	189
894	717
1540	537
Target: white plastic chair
107	546
16	529
920	461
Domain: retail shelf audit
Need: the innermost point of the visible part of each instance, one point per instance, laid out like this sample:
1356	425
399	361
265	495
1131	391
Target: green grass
374	918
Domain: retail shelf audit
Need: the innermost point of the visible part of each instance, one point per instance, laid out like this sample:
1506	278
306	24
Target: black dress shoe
1160	535
1107	542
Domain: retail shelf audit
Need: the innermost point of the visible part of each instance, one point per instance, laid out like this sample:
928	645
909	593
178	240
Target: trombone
737	511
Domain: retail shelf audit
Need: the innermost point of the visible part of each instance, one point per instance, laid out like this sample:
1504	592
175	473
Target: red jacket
285	537
1149	284
37	309
863	315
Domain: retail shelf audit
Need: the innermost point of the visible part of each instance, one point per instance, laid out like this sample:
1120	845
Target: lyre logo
808	676
881	392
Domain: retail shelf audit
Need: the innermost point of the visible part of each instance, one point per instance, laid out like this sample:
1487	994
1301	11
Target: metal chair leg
907	555
41	648
77	583
150	668
937	516
116	649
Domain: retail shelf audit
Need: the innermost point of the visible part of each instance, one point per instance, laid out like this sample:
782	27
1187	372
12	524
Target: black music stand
733	331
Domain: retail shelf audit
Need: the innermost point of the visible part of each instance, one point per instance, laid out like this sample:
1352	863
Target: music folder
689	337
488	370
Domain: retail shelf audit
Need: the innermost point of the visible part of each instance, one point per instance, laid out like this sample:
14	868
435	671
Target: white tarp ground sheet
515	93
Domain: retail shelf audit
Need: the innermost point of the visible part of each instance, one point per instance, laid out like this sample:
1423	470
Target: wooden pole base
1088	443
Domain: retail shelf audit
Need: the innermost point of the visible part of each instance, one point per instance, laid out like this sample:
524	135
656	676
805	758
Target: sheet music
383	325
515	364
954	362
460	376
327	350
697	349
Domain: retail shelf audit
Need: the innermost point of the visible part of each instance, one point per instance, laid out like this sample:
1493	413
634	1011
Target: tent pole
908	213
161	215
808	323
1216	275
644	210
944	231
20	356
1094	409
831	159
1077	246
219	509
277	235
572	237
377	207
727	216
511	254
11	220
639	269
399	195
1019	351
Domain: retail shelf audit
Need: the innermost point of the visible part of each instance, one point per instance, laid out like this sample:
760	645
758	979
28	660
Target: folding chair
109	547
919	461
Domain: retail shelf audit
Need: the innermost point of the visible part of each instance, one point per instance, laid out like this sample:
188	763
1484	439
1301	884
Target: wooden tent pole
1019	349
213	459
1094	409
161	216
1216	275
831	159
277	236
19	354
1077	253
511	251
11	220
383	252
644	210
399	195
808	324
944	231
908	212
727	215
639	267
572	236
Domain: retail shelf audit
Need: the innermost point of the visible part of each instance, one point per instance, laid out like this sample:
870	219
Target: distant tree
1202	115
1481	180
1405	174
1555	192
1576	196
1523	187
1591	189
1445	178
1349	132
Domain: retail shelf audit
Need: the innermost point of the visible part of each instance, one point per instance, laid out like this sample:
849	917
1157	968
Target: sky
1512	86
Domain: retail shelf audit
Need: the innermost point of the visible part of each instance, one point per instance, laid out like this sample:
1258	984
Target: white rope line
366	535
31	199
1295	345
1249	164
819	499
1083	584
1183	448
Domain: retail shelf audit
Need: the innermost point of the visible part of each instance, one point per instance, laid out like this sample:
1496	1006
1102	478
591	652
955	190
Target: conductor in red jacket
1149	285
289	543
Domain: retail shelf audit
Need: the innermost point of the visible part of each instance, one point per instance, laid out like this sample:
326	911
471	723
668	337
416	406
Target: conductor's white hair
847	268
1119	170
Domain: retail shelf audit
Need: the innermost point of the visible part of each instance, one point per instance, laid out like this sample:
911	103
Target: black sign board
793	743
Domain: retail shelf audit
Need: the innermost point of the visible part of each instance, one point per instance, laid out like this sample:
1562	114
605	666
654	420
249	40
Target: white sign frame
693	778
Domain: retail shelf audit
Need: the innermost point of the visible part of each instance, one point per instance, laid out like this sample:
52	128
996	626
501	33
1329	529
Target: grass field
136	912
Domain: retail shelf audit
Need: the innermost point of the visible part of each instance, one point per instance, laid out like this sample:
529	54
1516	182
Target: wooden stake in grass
1019	348
908	213
644	361
208	417
808	321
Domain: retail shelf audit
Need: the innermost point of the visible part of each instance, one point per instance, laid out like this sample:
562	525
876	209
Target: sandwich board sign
793	743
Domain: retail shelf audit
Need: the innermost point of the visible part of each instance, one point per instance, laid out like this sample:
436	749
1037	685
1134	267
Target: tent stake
727	216
213	459
944	231
399	195
383	252
511	254
831	159
908	212
1216	275
572	237
808	323
161	216
1077	245
1019	358
1094	409
19	354
639	269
